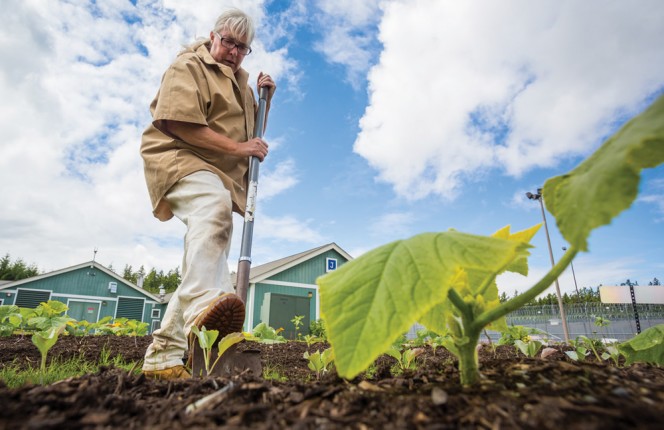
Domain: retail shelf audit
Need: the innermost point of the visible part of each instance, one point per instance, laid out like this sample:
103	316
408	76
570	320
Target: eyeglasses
230	44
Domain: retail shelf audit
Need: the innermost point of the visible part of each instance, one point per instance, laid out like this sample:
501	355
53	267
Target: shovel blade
232	362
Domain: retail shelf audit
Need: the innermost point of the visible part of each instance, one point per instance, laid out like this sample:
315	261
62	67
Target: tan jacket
197	89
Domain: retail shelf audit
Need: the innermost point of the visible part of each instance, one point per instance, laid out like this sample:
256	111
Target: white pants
201	201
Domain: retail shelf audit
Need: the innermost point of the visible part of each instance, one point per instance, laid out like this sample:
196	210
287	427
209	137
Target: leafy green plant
446	281
517	332
647	347
529	348
422	337
84	328
49	315
317	328
319	362
601	322
10	319
263	333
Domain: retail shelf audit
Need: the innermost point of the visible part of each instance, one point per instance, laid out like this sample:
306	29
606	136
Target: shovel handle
244	264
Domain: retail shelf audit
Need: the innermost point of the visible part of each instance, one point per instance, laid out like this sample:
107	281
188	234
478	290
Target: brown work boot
170	374
225	314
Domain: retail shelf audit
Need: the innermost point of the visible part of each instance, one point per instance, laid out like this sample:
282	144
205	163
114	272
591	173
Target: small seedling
580	352
613	353
405	359
297	322
44	341
319	362
529	348
435	343
310	340
595	345
206	339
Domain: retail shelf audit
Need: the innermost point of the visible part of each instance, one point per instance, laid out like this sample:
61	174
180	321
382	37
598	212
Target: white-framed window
156	313
330	264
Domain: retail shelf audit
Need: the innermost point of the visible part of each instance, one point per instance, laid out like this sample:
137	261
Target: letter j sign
330	264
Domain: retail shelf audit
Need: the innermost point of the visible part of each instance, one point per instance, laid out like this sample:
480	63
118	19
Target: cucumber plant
447	281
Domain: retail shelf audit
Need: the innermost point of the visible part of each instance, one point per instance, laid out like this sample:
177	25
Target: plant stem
458	302
519	301
469	370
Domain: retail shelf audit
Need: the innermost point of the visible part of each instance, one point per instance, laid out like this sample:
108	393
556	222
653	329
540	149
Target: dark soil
518	392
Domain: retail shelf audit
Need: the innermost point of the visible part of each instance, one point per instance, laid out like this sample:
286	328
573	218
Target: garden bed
518	392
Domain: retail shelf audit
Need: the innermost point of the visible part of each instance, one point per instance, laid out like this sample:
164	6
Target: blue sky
391	118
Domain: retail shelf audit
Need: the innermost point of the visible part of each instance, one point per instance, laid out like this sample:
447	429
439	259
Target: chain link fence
613	322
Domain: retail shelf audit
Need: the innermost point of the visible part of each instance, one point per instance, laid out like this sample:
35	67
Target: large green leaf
478	287
606	183
369	302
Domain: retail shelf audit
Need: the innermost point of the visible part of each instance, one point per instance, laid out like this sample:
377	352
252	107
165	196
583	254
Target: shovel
244	264
232	361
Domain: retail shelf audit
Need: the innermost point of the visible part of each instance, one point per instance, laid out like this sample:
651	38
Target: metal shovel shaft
244	264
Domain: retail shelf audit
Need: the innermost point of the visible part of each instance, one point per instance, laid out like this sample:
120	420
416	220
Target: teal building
278	291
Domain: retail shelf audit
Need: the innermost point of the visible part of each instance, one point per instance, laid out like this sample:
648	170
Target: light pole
576	287
539	198
585	306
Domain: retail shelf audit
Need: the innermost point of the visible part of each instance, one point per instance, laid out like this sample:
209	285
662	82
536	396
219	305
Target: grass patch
273	373
14	376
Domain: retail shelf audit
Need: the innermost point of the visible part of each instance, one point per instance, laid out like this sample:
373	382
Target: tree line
585	295
16	270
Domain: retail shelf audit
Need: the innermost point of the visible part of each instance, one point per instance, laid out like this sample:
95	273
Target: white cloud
348	35
394	225
77	79
655	196
465	87
281	178
658	201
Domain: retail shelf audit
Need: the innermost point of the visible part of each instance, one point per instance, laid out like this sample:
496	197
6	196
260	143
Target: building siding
303	275
307	271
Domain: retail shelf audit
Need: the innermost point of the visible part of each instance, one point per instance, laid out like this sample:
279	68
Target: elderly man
196	155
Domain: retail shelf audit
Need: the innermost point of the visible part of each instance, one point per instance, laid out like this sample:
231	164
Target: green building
90	291
278	291
282	289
